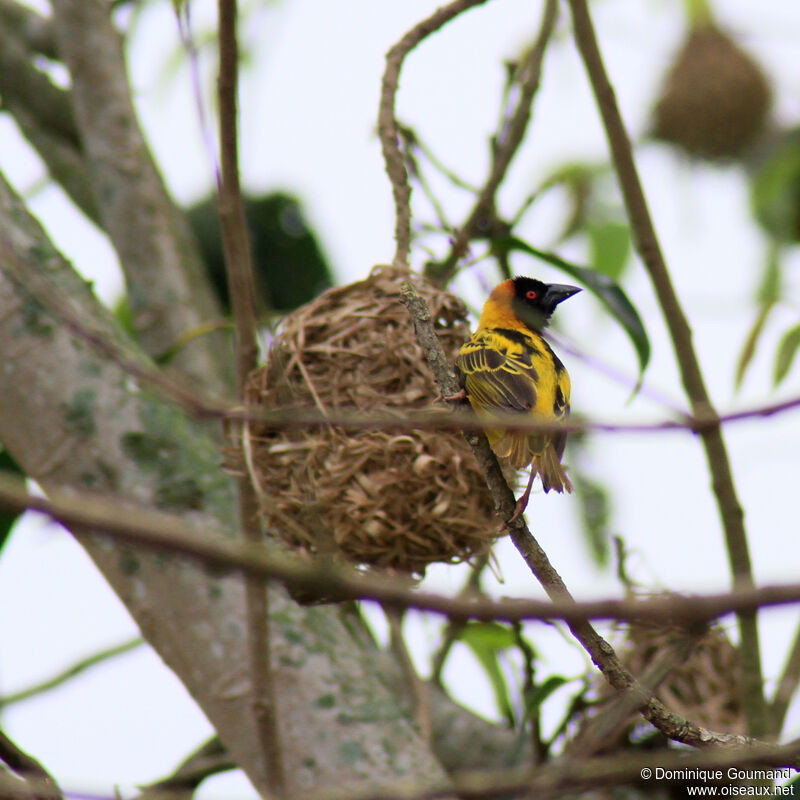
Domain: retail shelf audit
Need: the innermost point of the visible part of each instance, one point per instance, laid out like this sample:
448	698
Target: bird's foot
522	504
451	398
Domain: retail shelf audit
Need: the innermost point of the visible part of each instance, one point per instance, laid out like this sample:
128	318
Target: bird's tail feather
514	450
551	470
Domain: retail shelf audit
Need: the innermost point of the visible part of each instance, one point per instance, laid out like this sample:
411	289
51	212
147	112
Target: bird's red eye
530	294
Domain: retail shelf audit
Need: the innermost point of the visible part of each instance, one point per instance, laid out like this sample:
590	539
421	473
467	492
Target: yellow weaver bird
508	367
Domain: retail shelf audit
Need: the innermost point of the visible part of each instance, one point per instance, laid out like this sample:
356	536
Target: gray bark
72	418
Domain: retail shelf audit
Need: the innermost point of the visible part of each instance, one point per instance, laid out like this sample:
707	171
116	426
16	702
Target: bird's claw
522	504
451	398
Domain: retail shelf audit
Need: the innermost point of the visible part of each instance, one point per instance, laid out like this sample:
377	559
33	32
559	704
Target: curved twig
387	122
505	146
70	672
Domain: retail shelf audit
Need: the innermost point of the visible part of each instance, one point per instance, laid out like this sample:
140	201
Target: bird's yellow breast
514	370
508	370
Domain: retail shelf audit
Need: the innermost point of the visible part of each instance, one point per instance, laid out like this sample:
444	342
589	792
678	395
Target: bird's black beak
556	293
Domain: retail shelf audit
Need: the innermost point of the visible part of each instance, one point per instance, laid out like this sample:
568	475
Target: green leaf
604	288
793	782
769	288
787	350
751	343
595	508
610	247
486	640
541	693
767	295
775	188
489	635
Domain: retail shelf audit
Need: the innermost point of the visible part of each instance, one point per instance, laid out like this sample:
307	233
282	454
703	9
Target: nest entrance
393	499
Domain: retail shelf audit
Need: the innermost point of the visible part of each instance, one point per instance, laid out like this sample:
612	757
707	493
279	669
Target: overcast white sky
309	106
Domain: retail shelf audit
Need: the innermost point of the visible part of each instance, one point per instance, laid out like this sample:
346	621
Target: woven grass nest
393	499
703	688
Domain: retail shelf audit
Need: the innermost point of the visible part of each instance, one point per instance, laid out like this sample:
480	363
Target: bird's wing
561	402
498	372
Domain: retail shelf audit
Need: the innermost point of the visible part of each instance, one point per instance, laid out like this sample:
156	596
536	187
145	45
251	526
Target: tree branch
566	777
168	533
606	727
30	27
387	122
22	83
206	406
209	759
561	776
239	268
168	292
43	112
649	249
787	686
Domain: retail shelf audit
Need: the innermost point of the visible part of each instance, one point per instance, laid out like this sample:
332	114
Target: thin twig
238	258
71	672
604	728
163	532
209	759
292	417
787	686
387	122
239	267
413	169
417	689
413	141
450	634
649	249
505	146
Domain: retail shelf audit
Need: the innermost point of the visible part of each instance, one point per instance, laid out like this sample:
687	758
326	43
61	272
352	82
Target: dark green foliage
775	188
290	268
767	298
487	640
610	245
